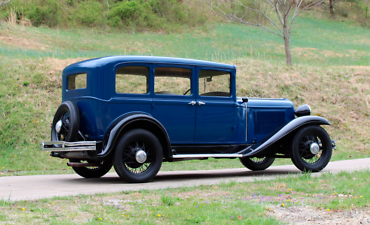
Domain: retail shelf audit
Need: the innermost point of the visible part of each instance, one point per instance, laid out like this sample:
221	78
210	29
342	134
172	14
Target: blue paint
221	120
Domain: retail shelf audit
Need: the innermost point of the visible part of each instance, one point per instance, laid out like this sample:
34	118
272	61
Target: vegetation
135	15
258	202
332	76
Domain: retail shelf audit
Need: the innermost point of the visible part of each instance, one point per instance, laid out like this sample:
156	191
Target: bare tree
280	14
4	2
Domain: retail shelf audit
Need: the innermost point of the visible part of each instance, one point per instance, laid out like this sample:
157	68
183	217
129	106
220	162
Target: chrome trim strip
62	146
189	156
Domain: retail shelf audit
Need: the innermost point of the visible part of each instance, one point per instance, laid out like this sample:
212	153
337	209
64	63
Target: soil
309	215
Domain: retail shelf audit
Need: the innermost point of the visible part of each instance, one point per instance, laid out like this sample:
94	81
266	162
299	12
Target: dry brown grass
339	94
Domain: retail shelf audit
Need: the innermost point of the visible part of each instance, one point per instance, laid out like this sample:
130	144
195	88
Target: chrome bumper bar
62	146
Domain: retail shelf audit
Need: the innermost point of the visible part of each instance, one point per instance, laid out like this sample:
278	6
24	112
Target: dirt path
47	186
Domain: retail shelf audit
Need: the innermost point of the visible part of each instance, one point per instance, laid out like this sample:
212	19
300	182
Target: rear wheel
312	149
257	163
92	172
138	156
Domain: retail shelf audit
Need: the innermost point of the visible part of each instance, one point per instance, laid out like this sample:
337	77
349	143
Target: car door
216	111
174	101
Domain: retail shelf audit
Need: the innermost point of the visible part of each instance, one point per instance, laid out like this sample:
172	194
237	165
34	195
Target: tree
4	2
280	14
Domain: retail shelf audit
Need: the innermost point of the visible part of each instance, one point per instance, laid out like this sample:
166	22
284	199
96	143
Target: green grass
326	76
322	42
232	202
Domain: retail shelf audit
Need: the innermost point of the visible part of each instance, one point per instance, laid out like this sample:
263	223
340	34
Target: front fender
284	131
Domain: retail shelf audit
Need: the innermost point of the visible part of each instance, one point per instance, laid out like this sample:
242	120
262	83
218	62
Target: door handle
192	103
201	103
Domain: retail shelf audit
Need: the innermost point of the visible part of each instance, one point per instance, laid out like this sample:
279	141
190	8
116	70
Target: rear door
174	101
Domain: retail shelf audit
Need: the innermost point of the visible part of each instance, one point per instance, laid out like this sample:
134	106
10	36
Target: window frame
75	75
232	84
148	81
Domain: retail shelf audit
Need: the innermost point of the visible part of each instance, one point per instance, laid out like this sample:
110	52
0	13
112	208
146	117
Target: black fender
128	122
284	131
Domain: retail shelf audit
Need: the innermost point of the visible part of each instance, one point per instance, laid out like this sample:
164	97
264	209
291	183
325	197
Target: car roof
103	61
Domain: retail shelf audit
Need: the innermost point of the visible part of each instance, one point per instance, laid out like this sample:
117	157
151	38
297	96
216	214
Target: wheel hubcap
140	156
314	148
58	126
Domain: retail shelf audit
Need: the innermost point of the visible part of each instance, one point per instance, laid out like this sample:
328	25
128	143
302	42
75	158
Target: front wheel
138	156
92	172
256	163
311	149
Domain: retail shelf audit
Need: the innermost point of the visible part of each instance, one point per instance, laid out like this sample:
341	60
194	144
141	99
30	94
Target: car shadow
184	176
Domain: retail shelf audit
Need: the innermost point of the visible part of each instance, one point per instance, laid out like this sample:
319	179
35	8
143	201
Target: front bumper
63	146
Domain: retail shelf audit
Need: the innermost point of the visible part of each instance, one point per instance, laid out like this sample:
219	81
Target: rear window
77	81
172	81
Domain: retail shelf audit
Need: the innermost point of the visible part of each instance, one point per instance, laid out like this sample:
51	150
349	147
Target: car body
155	109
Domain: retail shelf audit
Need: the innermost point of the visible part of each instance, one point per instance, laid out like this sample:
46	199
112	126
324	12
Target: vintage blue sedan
134	112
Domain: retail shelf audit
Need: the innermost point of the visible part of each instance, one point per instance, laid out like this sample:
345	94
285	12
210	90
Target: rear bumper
62	146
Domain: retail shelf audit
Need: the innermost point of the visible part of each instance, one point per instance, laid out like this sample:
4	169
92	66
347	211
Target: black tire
256	163
302	157
125	162
68	113
92	172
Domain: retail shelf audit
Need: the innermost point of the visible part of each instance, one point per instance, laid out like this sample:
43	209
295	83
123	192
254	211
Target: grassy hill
331	74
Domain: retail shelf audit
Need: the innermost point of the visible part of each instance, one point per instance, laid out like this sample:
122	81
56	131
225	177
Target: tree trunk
331	7
287	45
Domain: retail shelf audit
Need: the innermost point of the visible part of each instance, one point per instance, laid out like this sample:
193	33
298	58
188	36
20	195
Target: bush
122	14
89	14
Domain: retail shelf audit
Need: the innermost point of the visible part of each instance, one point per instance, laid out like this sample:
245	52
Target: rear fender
128	122
283	132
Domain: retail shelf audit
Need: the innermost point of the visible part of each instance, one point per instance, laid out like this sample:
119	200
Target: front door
216	111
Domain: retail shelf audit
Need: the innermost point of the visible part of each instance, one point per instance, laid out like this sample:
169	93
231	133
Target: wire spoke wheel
92	171
311	149
257	163
138	156
130	157
65	123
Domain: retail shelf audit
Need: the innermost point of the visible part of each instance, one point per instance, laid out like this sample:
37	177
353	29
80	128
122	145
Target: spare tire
66	122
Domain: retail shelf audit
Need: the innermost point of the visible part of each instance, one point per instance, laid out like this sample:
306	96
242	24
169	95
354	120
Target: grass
239	203
331	74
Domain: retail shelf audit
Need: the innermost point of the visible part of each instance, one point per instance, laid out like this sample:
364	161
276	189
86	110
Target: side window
77	81
132	80
214	83
172	81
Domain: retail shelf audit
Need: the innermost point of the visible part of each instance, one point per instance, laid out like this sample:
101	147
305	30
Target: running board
200	156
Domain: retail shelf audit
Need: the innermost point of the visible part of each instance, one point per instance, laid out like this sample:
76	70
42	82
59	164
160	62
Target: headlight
303	110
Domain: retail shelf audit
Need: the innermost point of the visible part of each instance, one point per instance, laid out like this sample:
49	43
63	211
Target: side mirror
245	99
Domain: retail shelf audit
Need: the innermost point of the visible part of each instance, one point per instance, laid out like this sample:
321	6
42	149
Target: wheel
311	149
256	163
138	156
92	172
66	123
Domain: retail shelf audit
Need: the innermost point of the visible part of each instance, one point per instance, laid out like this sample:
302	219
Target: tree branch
270	20
237	19
4	2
